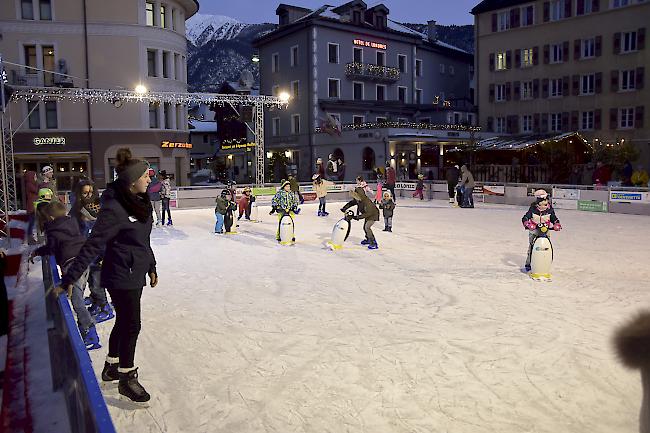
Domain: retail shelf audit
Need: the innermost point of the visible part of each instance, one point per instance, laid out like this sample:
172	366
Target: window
381	92
555	122
295	89
526	57
500	125
557	10
294	56
173	19
368	159
163	16
587	84
442	68
401	63
35	117
503	21
527	123
626	118
418	96
628	81
588	5
527	16
381	119
333	53
555	87
356	16
149	13
621	3
180	124
337	119
45	9
500	92
357	90
30	58
527	90
500	61
334	87
27	9
165	64
48	64
401	94
587	120
276	126
358	120
51	117
381	58
629	42
168	115
357	55
177	67
556	53
151	63
418	67
588	48
295	123
452	70
275	62
275	90
153	115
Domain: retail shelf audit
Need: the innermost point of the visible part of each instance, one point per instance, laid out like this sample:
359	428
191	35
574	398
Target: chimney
432	30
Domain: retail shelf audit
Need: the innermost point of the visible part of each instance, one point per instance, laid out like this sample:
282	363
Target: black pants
165	207
391	188
228	220
451	188
367	228
126	329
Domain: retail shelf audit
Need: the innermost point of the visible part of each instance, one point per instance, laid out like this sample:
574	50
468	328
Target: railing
372	72
511	173
72	369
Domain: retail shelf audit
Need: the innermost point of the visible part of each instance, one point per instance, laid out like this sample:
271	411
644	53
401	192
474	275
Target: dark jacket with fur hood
632	343
123	227
63	240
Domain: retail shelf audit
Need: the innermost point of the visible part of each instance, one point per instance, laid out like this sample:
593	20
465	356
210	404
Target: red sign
370	44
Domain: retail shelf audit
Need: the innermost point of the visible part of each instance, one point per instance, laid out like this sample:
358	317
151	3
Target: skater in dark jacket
223	211
370	214
540	212
632	343
453	174
123	228
388	206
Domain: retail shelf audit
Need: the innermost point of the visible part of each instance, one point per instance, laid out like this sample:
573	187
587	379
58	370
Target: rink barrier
72	369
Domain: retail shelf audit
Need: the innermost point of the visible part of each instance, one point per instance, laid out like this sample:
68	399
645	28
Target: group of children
226	206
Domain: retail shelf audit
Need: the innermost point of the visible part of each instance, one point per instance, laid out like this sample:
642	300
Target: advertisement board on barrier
629	197
499	190
331	188
173	198
565	203
566	193
269	190
408	186
592	206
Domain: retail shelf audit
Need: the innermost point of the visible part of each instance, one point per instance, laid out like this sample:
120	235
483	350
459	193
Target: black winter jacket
63	240
128	257
452	176
388	207
533	211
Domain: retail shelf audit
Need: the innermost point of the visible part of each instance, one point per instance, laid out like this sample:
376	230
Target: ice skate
91	339
169	222
131	389
105	313
373	246
109	373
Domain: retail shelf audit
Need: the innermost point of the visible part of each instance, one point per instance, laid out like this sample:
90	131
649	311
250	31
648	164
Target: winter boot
365	242
390	229
320	213
385	229
169	222
109	373
130	388
325	213
105	313
373	246
91	339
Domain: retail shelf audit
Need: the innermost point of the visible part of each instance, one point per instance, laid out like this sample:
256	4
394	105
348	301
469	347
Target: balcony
367	71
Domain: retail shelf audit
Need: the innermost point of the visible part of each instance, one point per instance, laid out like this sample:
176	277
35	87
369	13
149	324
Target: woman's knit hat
128	168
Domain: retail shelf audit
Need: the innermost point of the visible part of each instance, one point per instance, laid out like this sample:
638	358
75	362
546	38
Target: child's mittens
557	226
530	225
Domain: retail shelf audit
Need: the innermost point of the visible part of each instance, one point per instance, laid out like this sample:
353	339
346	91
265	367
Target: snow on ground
438	330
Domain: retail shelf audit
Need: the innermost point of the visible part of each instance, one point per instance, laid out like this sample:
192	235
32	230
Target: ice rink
437	331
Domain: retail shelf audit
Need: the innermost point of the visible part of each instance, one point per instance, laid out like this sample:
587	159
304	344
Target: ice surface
437	331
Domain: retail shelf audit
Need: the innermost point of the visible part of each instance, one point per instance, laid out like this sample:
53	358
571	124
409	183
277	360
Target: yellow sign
170	145
237	146
369	44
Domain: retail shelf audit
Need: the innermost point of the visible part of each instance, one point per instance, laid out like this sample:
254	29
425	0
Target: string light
366	69
410	125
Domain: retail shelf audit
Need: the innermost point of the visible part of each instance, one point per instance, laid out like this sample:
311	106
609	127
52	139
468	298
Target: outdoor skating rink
437	331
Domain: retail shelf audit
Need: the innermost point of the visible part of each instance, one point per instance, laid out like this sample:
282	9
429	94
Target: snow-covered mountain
201	28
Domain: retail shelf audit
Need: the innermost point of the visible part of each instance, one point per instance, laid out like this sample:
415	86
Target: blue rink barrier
72	370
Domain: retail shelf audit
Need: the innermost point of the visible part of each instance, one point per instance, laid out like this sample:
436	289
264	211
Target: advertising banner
565	193
629	197
565	203
173	200
408	186
592	206
499	190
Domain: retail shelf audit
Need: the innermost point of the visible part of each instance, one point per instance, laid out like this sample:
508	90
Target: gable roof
492	5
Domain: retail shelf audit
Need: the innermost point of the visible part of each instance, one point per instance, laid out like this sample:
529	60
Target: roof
191	7
202	126
521	142
492	5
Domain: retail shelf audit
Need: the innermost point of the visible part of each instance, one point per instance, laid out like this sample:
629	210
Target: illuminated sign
170	145
49	141
234	146
370	44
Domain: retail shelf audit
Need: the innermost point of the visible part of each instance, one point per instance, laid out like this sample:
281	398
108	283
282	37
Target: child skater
388	206
320	187
540	212
223	211
419	188
284	202
245	203
370	214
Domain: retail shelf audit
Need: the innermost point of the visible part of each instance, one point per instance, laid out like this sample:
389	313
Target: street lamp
284	97
140	89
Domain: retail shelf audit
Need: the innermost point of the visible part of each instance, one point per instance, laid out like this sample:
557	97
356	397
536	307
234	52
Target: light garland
370	70
229	141
409	125
23	93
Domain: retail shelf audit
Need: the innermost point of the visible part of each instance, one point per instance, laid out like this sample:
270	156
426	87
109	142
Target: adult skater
467	186
154	195
391	178
320	188
123	228
453	174
165	196
369	213
539	212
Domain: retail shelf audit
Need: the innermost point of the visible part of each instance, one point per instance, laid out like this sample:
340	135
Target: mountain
219	48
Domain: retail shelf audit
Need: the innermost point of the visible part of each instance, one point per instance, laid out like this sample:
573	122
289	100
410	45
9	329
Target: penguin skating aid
286	230
341	231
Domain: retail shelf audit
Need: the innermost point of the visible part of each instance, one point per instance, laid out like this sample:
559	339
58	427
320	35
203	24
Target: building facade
107	45
355	79
551	67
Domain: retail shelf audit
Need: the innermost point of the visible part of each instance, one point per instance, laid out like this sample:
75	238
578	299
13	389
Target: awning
521	142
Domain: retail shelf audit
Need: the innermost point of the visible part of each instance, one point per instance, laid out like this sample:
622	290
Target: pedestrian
452	175
295	188
640	177
626	175
320	187
165	197
575	178
48	181
30	188
123	229
387	205
245	203
467	186
391	178
369	213
419	187
154	195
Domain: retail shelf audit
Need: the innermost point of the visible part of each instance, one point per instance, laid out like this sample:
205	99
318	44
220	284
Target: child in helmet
284	202
540	213
320	187
388	207
223	211
245	203
419	188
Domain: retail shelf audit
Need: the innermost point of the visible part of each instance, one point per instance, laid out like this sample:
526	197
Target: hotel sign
370	44
170	145
49	141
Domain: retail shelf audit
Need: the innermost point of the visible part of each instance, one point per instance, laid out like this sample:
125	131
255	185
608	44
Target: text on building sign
370	44
44	141
170	145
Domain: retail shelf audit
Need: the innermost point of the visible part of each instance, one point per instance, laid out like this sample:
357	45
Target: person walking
123	229
48	181
165	197
467	186
452	175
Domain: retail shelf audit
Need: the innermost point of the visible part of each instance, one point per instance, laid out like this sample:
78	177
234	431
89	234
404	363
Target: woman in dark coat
123	229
